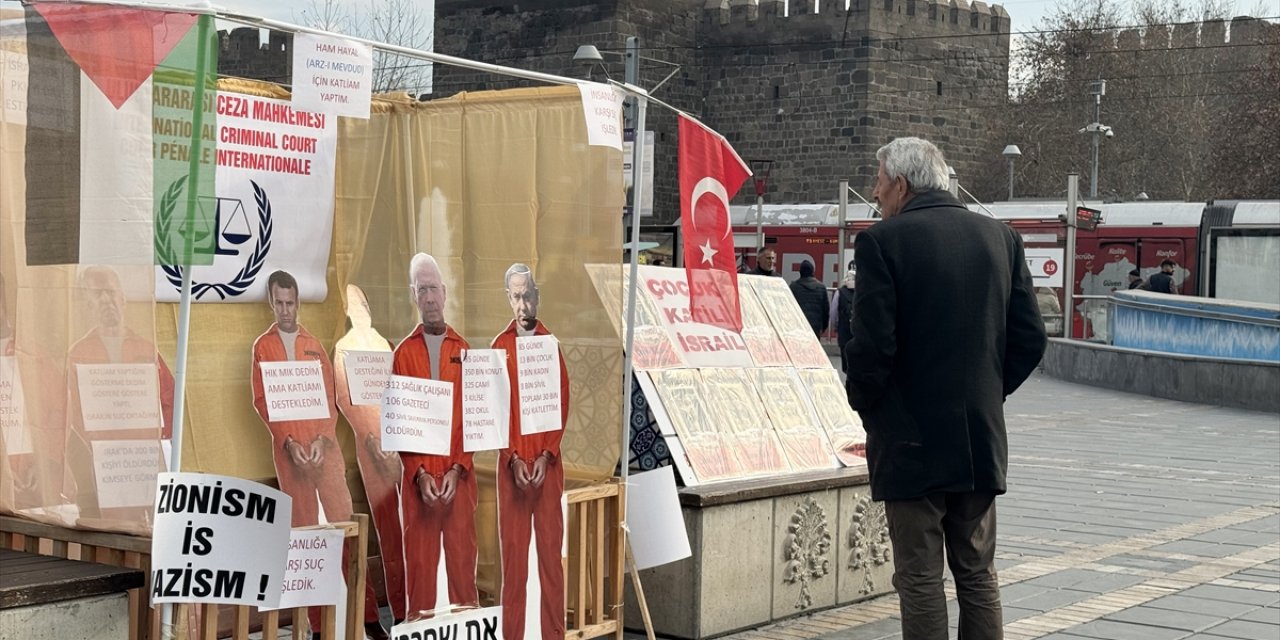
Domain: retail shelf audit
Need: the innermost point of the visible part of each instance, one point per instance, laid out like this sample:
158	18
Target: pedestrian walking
811	295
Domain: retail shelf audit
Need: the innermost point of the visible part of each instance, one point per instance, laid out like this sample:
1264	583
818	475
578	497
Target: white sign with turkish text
125	471
313	572
602	108
538	362
334	75
417	415
17	437
218	539
294	390
367	373
699	345
486	400
118	397
1045	264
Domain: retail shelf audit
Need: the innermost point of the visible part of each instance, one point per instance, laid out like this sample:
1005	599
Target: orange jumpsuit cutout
303	485
533	510
425	526
92	350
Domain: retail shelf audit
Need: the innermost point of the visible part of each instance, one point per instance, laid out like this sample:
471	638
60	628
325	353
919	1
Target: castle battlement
947	15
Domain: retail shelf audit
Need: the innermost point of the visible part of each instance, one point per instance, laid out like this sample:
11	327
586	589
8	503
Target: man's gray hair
419	261
917	160
519	269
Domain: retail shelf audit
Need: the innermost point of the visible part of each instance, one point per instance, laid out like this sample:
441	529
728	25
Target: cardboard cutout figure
438	492
380	470
304	444
109	429
530	473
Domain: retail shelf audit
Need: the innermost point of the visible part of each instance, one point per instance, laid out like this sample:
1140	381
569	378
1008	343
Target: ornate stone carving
805	549
868	540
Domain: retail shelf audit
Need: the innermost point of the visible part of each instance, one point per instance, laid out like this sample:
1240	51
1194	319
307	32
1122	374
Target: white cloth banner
333	75
125	471
538	359
313	572
294	390
417	415
274	207
17	436
602	108
486	400
118	397
367	373
218	539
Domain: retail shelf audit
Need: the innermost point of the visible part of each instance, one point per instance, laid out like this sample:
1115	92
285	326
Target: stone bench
768	549
51	598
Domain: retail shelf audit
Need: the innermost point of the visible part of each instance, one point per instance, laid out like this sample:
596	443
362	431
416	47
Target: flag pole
628	364
198	88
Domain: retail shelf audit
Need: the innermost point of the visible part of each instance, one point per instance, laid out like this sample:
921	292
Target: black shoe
374	631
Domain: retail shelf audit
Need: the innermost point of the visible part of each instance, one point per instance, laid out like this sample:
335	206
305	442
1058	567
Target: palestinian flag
119	144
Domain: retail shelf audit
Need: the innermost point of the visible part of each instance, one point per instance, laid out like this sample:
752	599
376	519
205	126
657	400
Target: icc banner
274	204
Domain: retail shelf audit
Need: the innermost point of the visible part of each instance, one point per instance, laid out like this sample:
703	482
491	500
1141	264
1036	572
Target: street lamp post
1011	152
760	177
1097	88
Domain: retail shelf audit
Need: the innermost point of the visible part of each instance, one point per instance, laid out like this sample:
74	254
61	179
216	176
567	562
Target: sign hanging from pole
332	75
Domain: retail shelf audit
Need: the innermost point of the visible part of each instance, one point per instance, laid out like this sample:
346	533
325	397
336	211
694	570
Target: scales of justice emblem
231	221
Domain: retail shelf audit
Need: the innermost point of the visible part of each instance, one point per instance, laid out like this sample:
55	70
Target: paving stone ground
1127	517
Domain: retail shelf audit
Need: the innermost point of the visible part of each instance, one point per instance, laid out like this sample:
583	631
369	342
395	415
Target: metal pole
1069	284
759	228
1097	134
1011	179
844	217
637	199
1093	180
631	75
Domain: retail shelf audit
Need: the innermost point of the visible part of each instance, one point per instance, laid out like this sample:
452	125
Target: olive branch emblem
247	274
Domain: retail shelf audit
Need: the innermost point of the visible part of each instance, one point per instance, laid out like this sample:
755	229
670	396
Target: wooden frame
596	563
191	622
594	573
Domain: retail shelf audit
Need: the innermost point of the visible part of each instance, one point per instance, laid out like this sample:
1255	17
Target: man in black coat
765	263
945	327
811	295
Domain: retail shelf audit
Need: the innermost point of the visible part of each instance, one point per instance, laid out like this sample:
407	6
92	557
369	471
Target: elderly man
309	463
945	327
530	480
438	495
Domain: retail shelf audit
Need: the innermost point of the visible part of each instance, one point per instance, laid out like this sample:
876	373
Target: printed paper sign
602	108
119	396
333	75
367	373
486	400
699	345
17	438
294	390
126	471
417	415
313	572
538	359
473	624
218	539
14	72
1045	264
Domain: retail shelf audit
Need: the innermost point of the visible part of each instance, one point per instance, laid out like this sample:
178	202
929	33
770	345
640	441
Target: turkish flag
710	174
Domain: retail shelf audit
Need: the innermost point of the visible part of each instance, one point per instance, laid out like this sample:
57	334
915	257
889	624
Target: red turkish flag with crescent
710	174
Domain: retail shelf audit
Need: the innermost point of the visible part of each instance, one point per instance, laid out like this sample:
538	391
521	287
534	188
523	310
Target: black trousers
963	525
